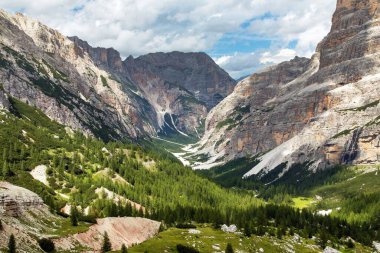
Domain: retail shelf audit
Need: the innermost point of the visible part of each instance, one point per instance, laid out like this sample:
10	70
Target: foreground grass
65	228
211	240
302	202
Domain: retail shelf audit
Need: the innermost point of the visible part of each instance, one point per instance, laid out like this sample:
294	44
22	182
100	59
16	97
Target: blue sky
241	35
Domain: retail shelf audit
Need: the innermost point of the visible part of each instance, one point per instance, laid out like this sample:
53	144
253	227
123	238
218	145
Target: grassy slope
209	237
167	184
356	193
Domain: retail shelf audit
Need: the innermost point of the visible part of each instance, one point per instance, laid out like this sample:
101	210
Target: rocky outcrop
4	102
126	230
14	200
321	112
107	58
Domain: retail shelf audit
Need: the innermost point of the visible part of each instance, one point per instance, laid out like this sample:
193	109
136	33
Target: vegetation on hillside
121	179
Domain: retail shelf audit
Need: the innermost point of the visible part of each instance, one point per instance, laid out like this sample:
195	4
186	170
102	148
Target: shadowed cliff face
323	111
181	87
185	85
196	72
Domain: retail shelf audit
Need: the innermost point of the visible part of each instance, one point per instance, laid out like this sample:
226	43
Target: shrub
185	225
46	244
186	249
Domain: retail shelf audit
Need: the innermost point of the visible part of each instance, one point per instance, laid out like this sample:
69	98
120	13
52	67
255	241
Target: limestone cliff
323	111
45	69
180	85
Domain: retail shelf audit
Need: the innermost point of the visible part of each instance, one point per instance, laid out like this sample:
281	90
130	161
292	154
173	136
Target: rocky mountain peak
196	72
353	25
108	58
317	113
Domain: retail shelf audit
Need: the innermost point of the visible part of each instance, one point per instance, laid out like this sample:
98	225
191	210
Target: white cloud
277	57
242	64
141	26
300	21
239	64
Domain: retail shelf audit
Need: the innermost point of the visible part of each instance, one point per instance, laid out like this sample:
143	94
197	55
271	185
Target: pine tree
5	170
106	243
323	239
247	230
123	248
229	248
74	216
12	244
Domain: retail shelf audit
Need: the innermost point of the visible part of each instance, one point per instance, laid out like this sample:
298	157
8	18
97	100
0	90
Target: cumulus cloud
239	64
242	64
141	26
304	22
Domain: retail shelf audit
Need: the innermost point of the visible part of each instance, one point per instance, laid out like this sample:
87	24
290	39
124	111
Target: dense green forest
89	173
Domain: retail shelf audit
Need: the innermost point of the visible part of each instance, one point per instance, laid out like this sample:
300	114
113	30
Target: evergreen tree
106	243
350	244
12	244
6	170
74	216
123	248
46	244
247	230
229	248
323	239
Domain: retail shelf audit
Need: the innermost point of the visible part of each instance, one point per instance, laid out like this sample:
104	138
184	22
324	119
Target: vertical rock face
353	22
185	85
108	58
195	72
323	111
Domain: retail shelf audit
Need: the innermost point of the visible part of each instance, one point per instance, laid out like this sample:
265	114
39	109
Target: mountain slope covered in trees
117	179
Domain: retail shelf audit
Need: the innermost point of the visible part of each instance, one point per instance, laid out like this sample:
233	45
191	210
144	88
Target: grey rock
330	250
321	111
4	102
15	200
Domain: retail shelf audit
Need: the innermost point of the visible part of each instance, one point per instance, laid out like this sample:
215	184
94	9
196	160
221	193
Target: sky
241	36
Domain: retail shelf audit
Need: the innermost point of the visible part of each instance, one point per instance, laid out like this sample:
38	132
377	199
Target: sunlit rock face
321	111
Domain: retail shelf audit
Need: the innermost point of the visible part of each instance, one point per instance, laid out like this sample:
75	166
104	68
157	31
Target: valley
166	152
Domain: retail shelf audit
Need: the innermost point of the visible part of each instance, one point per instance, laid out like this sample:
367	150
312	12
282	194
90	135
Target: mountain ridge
325	116
105	97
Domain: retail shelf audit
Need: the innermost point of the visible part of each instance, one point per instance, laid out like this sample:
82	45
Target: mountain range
318	112
95	91
165	152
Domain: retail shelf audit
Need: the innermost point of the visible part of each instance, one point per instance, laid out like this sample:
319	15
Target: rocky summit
318	112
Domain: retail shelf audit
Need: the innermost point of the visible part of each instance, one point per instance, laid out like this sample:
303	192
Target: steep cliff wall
323	111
